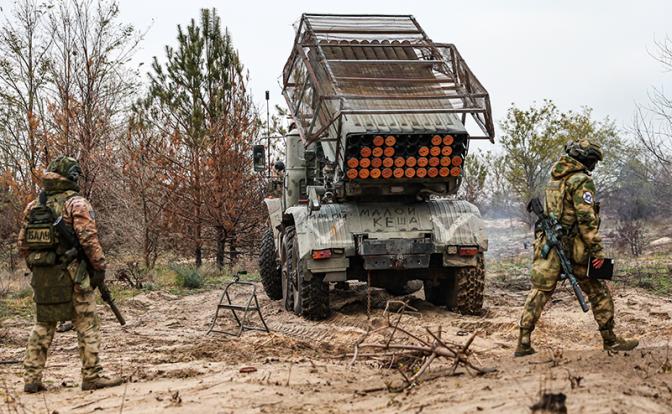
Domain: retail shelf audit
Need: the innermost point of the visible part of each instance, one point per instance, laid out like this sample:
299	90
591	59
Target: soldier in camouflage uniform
570	197
59	292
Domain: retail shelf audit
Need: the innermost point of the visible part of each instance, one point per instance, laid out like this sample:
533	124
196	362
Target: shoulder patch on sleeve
588	197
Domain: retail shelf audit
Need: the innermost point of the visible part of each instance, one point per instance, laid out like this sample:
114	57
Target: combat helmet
585	151
67	167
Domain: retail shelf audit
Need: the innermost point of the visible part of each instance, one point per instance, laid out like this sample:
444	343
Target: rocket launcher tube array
410	156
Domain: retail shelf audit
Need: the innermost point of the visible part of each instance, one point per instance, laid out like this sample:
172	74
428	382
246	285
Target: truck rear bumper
393	255
386	237
397	254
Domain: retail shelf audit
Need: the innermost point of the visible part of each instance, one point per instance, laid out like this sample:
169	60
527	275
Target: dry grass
651	272
15	295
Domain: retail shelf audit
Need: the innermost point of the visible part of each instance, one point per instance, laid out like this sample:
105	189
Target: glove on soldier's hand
97	278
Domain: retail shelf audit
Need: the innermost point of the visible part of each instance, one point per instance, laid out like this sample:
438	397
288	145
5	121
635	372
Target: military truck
382	121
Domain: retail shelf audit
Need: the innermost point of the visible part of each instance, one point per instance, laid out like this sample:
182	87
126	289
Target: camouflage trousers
545	276
598	294
88	336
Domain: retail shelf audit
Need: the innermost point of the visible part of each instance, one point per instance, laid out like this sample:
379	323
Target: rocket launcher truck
382	121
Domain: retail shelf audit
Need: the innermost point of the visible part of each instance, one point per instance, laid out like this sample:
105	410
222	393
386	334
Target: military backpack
51	281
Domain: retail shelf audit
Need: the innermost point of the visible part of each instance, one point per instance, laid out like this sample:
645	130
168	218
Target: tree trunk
12	261
198	256
234	248
146	244
221	243
198	205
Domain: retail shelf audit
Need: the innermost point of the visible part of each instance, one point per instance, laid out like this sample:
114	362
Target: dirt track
172	366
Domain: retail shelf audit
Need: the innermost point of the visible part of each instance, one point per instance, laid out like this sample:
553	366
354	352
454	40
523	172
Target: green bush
149	287
188	276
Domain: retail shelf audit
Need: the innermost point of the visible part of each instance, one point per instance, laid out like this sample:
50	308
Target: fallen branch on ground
413	354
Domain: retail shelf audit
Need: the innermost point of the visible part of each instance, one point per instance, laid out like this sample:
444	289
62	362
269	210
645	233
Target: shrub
631	234
188	276
149	287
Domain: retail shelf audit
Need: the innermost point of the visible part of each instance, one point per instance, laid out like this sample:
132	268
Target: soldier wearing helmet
570	197
59	294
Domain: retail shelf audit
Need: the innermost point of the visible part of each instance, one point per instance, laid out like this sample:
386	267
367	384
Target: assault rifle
76	252
553	230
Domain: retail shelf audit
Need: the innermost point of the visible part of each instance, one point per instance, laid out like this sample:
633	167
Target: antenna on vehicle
268	132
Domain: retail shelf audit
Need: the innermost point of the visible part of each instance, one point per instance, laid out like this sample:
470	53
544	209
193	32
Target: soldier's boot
524	343
34	387
612	342
101	382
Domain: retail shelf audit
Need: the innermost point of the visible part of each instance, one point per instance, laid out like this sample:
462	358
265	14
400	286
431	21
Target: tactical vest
51	281
556	192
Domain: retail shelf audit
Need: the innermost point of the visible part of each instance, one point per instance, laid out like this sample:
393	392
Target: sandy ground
172	366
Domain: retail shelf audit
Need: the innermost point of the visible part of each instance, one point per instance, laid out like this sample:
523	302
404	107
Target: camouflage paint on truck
448	224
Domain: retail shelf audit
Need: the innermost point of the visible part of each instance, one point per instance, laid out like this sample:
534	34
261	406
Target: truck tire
460	289
313	299
288	267
436	294
269	267
469	286
440	284
310	298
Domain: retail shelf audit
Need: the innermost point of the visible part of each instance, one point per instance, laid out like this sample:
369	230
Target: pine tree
201	90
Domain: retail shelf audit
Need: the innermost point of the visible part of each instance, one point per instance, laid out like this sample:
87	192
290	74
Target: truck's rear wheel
269	266
307	298
288	267
469	286
461	289
436	293
313	300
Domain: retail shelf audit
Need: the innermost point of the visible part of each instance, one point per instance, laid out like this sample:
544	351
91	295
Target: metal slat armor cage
379	73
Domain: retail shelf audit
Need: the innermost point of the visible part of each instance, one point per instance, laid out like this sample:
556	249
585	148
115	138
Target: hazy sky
578	53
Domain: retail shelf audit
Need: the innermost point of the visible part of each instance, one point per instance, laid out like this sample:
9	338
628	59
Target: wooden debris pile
395	347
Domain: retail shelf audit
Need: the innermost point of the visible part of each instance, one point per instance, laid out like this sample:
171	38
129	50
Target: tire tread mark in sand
326	331
315	333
